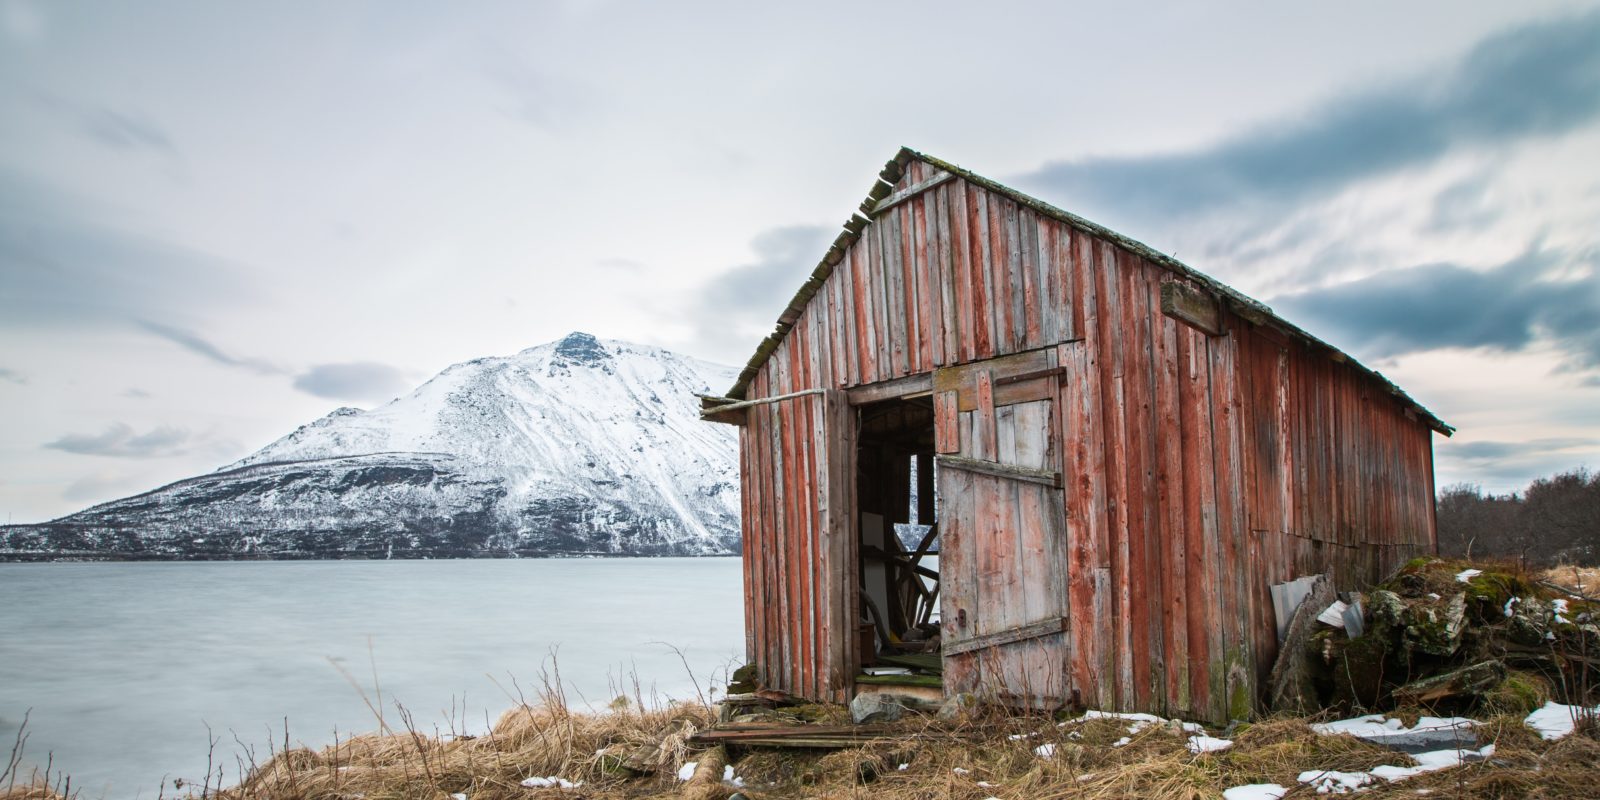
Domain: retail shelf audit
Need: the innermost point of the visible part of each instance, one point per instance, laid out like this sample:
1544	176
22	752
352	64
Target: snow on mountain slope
576	446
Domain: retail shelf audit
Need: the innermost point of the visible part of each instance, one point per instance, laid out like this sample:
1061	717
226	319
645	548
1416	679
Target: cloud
1463	204
1514	464
13	376
194	343
22	21
125	131
362	380
135	393
121	441
1535	80
1541	295
60	265
534	96
741	304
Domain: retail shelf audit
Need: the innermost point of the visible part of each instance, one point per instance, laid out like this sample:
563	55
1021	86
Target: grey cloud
135	393
1514	464
121	441
110	127
60	265
125	131
534	96
1538	79
12	376
745	300
1531	297
195	343
363	380
1464	204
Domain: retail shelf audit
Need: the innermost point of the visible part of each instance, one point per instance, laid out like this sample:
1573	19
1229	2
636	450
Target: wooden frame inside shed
1128	455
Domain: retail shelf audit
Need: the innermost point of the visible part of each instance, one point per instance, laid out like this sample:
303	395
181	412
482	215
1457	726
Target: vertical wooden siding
1199	469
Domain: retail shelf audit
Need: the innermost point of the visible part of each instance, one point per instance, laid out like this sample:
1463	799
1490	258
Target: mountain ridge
580	446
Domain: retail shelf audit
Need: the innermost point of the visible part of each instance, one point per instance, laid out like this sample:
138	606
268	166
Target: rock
625	760
1435	627
1529	622
1291	681
957	706
1387	611
743	680
1473	680
878	707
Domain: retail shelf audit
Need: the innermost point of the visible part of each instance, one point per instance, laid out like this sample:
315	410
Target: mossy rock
744	680
1435	626
1359	670
1519	694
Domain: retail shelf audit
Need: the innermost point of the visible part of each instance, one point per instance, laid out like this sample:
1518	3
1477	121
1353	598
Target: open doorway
898	566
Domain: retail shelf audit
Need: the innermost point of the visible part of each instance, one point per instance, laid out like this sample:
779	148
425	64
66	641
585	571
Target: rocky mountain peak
581	348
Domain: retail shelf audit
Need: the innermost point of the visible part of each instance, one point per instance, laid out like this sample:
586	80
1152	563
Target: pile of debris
1442	635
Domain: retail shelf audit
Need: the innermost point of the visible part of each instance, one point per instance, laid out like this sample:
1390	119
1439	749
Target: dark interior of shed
898	568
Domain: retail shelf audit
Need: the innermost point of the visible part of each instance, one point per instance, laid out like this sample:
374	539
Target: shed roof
1247	307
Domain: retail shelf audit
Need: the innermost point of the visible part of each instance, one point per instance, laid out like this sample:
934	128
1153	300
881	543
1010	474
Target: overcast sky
220	221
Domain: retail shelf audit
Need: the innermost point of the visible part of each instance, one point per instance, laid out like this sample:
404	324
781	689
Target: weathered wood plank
1192	307
961	273
1170	503
910	192
980	262
897	388
1015	634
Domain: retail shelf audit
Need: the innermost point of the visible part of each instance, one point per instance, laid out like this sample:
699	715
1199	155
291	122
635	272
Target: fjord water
125	665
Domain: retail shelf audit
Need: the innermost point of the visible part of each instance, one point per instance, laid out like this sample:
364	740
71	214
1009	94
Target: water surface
125	665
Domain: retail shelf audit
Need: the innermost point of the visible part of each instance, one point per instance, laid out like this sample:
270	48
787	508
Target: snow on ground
551	782
1336	782
1375	727
1208	744
1468	574
1140	721
686	771
1555	720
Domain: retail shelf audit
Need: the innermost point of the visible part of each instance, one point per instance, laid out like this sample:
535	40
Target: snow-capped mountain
578	446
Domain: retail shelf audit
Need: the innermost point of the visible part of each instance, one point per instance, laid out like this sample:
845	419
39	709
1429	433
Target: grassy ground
985	755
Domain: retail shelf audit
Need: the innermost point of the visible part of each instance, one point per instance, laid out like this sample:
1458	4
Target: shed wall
1199	469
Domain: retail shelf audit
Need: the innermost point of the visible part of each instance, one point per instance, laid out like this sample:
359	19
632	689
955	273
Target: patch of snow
903	767
1434	596
1208	744
1120	742
1141	721
987	785
731	779
1333	781
1042	751
1255	791
686	771
1377	726
1560	605
1017	737
1336	782
1555	720
961	771
1511	602
1468	574
551	782
458	796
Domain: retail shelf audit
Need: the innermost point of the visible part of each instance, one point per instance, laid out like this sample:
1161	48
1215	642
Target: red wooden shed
1126	453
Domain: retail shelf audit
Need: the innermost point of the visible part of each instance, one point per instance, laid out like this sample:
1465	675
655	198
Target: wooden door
800	544
1002	558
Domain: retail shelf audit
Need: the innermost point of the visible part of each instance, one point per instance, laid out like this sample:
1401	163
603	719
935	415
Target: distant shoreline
72	557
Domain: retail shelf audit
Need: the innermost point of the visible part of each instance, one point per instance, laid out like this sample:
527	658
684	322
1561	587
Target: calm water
124	665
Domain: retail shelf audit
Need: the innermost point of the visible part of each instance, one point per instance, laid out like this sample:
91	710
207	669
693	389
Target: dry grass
941	760
1580	580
